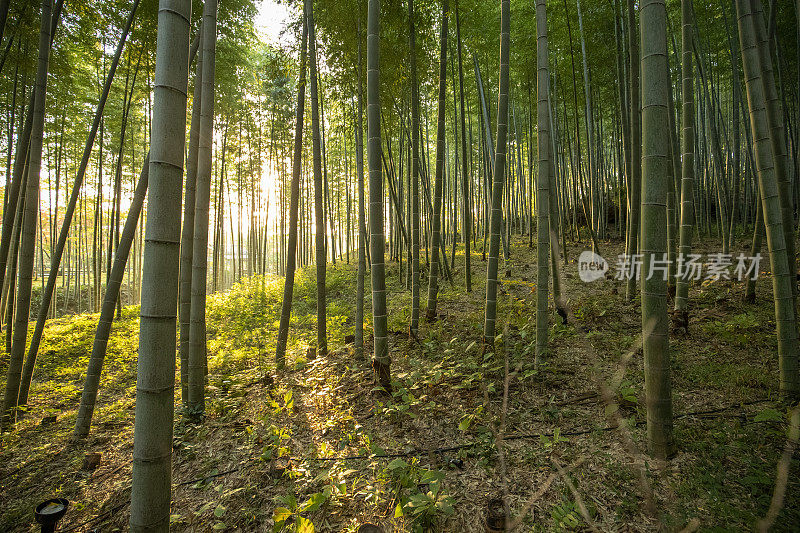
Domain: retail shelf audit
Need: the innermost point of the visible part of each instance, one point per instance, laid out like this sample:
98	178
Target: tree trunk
782	278
755	248
777	140
328	203
319	210
20	166
655	183
187	231
433	279
197	313
415	172
687	214
624	110
152	438
291	246
28	236
362	229
672	196
465	174
9	289
543	252
91	384
594	219
635	178
498	175
381	359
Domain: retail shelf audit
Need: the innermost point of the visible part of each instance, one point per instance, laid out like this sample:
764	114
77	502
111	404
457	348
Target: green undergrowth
307	448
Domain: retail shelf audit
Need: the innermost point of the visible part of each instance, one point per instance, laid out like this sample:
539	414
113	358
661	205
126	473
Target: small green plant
288	404
552	442
625	396
627	392
468	420
565	517
289	516
219	509
419	494
400	404
275	439
769	415
425	508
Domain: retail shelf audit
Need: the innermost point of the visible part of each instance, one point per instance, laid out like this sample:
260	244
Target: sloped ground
318	444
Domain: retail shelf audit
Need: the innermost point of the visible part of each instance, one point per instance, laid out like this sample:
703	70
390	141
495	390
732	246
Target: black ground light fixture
49	512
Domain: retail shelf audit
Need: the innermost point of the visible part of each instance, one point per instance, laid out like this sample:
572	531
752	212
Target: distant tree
294	202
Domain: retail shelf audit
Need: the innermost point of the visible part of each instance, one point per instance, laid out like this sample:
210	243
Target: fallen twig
575	494
782	476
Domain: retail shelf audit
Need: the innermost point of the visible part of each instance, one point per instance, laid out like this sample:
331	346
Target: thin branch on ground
782	476
575	494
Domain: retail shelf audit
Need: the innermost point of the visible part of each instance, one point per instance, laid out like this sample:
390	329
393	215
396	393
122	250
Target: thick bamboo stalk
381	359
152	440
655	184
30	215
433	279
543	208
498	175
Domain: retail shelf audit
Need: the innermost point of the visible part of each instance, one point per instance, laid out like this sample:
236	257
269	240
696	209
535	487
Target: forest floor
319	444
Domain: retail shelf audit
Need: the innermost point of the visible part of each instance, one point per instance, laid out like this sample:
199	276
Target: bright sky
271	20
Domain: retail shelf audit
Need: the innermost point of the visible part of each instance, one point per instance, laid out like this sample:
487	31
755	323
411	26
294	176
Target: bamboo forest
376	266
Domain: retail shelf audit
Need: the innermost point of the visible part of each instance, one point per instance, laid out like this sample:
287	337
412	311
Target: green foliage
241	321
769	415
737	330
64	354
419	495
565	517
288	403
276	440
552	442
289	517
469	419
402	403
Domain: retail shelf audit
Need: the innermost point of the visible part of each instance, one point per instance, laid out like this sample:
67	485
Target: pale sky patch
271	20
